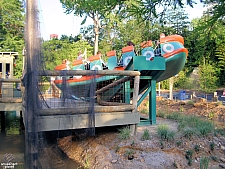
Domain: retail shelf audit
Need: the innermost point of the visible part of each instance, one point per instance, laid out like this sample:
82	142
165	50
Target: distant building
54	36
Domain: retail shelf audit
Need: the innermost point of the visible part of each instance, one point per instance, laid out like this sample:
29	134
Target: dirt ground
107	151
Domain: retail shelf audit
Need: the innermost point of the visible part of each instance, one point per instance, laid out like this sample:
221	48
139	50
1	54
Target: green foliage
55	51
197	148
12	30
194	126
190	102
188	155
86	162
161	114
189	132
164	133
129	152
182	81
204	163
212	145
208	79
174	116
124	133
146	135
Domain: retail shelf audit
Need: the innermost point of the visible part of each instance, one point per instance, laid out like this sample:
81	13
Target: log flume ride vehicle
155	64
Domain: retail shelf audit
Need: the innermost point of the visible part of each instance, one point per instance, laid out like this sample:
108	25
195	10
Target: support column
152	103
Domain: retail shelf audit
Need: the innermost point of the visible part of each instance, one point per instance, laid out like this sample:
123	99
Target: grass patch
161	114
164	133
189	132
190	102
124	133
194	126
175	116
220	132
146	135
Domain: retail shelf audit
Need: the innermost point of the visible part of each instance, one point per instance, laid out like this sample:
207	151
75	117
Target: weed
124	133
179	143
212	146
117	149
161	144
211	115
175	164
219	103
146	135
197	148
161	114
181	108
132	144
215	158
189	154
164	132
204	163
129	153
190	161
190	102
87	163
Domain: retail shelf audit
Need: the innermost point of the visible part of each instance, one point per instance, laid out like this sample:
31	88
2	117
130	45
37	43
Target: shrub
124	133
146	135
190	102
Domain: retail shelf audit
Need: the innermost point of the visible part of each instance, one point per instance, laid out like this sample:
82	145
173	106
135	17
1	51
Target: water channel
12	144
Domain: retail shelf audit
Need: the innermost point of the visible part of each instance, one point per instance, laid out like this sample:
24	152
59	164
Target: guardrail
10	91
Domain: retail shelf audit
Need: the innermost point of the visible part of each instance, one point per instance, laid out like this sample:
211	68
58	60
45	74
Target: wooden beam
83	110
88	72
115	83
10	100
10	80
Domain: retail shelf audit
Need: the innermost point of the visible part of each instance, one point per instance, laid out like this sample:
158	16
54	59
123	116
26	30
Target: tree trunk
96	30
171	87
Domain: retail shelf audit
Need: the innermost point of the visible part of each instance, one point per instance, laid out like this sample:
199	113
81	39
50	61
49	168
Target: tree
56	50
96	10
208	78
12	29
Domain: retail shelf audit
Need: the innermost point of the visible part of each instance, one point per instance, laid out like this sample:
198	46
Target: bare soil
107	151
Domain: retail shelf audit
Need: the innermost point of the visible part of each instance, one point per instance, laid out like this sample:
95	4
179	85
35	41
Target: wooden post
30	83
2	121
133	127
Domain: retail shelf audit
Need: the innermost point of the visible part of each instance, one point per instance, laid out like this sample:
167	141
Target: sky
53	20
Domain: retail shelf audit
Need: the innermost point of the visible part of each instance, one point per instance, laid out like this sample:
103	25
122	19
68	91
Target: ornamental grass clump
124	133
146	135
164	133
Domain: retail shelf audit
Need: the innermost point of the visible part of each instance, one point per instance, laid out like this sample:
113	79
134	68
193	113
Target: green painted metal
152	103
140	63
127	92
112	62
144	95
